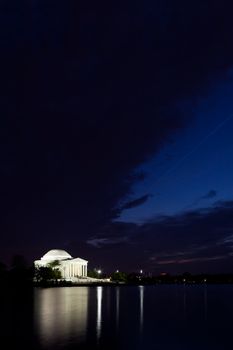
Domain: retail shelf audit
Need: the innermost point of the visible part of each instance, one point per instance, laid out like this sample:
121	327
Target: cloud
211	194
191	260
198	236
86	101
99	242
136	202
198	241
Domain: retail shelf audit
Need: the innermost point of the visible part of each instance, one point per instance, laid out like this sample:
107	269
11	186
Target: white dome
56	254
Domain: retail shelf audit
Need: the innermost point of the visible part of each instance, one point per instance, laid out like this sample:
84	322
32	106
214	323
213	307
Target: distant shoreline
114	284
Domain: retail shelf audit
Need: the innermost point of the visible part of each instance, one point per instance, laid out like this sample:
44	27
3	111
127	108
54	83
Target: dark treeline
185	278
21	274
165	278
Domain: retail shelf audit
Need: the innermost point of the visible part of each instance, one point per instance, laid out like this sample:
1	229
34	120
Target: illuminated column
76	269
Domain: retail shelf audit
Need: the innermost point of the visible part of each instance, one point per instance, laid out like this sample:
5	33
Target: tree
54	264
47	273
119	276
3	270
93	273
19	270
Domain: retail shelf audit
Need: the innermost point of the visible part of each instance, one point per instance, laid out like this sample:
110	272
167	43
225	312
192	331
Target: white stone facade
70	267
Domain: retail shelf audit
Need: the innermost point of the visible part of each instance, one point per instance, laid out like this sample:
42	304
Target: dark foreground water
153	317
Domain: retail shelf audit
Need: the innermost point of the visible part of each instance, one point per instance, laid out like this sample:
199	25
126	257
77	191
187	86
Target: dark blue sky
116	132
194	169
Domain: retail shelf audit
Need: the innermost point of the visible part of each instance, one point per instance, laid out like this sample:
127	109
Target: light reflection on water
99	311
133	317
61	314
141	292
117	308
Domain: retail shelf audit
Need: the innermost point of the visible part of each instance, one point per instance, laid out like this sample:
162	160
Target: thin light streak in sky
151	186
189	154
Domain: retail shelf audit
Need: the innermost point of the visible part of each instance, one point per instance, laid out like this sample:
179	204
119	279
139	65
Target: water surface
156	317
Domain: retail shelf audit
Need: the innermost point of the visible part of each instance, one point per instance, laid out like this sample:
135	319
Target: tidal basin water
125	317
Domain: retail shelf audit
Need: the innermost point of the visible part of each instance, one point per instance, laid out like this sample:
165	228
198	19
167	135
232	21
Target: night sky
116	132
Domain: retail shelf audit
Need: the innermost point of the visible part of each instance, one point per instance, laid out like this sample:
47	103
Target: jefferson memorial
70	267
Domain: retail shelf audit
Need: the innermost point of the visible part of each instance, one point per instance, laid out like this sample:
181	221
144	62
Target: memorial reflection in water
61	314
87	316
